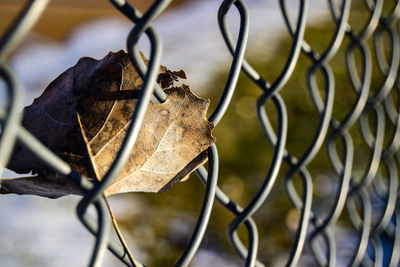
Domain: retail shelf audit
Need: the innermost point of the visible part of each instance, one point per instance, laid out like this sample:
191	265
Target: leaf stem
120	236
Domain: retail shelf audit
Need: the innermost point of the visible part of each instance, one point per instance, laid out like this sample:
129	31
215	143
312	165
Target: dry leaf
83	116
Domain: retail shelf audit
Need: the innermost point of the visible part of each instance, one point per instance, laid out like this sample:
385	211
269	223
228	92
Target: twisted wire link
10	118
361	87
324	108
94	196
340	129
149	79
371	200
250	253
385	184
343	166
243	216
23	23
361	107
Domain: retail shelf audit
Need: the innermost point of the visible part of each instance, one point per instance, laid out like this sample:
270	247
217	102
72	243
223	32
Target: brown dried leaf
83	116
39	186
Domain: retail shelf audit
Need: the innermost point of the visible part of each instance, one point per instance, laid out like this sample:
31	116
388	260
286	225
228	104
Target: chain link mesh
375	110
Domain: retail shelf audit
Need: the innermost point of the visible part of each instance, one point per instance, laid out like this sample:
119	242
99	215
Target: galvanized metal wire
375	110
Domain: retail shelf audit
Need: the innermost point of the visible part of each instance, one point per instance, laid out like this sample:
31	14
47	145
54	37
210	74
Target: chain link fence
370	199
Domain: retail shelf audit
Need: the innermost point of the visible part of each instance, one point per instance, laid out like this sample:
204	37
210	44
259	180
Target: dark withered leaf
83	115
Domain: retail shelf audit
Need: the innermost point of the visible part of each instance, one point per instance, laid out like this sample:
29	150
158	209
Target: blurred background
42	232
